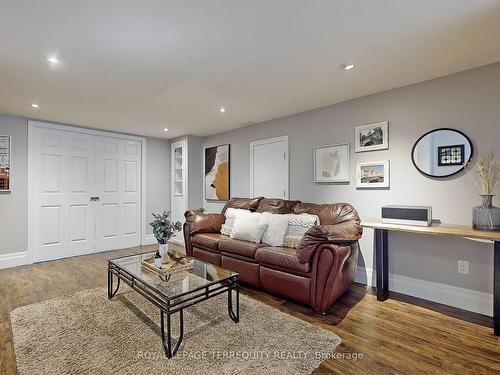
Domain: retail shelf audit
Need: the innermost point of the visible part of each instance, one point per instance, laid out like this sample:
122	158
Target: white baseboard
178	241
466	299
14	259
149	240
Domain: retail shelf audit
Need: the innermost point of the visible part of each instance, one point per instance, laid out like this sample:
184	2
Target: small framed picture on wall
372	137
5	162
373	174
331	163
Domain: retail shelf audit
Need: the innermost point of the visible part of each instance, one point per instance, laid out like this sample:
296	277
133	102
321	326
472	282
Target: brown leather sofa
318	272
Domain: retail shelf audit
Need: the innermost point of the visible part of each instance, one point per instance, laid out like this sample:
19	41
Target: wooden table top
435	229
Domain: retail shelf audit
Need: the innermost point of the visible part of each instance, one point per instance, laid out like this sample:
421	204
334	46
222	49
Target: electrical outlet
463	267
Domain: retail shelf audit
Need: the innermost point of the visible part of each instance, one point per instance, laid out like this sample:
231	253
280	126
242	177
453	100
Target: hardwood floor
402	335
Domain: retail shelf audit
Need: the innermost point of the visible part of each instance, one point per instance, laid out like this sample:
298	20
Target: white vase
164	250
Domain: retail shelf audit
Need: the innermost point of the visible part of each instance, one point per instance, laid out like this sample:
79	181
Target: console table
382	248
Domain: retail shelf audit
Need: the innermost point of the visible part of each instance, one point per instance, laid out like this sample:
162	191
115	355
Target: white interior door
269	168
63	181
118	183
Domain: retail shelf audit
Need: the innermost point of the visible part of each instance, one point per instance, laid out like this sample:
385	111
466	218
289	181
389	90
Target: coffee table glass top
202	275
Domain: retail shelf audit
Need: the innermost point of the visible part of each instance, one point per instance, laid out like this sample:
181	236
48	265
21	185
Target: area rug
87	333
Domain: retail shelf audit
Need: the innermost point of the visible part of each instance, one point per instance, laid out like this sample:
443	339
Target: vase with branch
485	175
164	229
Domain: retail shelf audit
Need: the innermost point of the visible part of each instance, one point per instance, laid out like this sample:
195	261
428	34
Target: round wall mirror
442	152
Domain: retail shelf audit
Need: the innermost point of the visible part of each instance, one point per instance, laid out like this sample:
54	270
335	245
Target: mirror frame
433	131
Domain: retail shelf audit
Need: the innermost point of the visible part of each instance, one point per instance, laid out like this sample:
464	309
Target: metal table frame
170	305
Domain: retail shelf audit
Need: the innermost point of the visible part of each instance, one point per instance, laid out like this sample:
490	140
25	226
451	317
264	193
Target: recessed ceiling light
347	66
165	129
34	105
53	60
222	110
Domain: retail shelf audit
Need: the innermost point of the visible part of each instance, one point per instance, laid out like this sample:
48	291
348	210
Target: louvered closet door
63	177
118	181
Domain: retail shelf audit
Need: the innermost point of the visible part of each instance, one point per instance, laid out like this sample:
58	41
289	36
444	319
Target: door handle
94	199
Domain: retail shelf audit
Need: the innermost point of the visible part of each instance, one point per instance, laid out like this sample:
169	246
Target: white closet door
63	179
118	181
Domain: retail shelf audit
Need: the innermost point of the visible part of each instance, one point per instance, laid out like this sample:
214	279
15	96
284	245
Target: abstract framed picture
217	173
5	162
372	137
451	155
331	163
373	175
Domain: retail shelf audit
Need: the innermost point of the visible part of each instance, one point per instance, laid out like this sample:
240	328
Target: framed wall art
217	173
5	162
373	174
331	163
372	137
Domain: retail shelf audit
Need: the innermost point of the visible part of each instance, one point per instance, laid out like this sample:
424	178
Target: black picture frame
444	152
448	175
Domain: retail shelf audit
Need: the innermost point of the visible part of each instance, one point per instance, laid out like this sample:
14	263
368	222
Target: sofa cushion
276	206
328	213
282	257
244	203
243	248
208	240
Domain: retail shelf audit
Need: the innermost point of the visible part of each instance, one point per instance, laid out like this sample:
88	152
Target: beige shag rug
87	333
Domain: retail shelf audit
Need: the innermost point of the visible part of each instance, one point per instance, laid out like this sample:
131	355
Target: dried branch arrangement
487	171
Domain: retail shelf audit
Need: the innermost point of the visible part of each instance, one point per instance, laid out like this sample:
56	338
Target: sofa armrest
333	271
346	233
198	222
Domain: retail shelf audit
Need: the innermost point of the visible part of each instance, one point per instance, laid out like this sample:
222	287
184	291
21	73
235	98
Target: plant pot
486	216
163	247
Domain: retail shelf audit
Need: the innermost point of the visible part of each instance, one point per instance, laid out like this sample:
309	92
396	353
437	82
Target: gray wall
195	174
157	178
468	101
14	205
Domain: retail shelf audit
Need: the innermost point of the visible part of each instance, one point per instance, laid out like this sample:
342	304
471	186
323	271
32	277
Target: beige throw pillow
248	230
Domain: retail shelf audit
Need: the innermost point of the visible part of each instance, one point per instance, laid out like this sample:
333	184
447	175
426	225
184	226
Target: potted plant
164	230
487	171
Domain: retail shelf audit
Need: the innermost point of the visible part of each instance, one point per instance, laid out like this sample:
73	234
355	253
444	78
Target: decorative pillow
232	214
298	225
277	226
248	230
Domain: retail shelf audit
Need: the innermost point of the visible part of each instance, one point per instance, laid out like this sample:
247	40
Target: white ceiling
140	66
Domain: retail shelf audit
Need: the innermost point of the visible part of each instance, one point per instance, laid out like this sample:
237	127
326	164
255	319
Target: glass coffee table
183	289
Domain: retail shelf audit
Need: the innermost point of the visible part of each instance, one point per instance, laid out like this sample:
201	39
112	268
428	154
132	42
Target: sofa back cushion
250	204
276	206
328	214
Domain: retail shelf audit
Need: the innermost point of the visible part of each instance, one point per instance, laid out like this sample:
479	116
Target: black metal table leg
235	317
112	293
496	289
382	263
167	341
